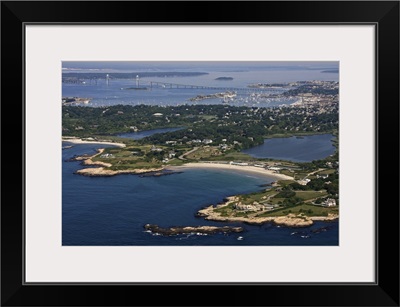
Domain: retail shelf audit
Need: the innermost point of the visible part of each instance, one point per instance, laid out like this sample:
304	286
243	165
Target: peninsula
214	137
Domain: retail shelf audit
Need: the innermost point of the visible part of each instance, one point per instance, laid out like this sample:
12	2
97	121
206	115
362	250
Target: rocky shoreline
159	173
177	230
102	172
290	220
100	169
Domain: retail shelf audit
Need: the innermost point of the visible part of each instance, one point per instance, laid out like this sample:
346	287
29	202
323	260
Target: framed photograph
244	150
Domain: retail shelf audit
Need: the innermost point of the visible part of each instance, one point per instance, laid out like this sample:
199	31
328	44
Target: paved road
186	153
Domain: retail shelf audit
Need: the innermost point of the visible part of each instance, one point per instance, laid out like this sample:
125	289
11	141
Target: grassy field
276	201
326	172
285	182
233	156
226	210
127	158
300	175
205	152
134	166
306	195
256	196
309	210
287	172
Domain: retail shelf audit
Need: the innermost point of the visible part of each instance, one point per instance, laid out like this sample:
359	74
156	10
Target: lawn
287	172
285	182
306	195
205	152
326	172
309	210
233	156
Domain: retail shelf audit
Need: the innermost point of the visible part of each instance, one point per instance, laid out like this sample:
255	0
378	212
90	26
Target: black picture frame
383	14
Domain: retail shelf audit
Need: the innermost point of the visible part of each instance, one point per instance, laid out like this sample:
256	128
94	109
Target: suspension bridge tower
137	81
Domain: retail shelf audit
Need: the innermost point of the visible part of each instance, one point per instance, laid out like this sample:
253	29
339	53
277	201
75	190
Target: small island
223	95
224	79
204	230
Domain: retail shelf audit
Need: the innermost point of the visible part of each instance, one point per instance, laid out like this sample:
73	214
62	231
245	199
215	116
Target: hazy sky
196	66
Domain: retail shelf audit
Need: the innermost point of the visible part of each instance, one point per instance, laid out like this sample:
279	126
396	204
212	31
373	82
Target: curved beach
246	168
76	140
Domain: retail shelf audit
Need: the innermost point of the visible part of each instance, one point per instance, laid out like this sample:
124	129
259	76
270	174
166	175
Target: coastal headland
214	213
102	168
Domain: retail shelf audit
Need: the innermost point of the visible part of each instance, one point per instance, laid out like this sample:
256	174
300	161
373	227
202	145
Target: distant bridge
140	83
169	85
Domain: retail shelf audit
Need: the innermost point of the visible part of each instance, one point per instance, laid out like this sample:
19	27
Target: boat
240	238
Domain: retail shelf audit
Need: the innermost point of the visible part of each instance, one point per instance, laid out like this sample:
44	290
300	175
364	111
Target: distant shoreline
76	140
247	168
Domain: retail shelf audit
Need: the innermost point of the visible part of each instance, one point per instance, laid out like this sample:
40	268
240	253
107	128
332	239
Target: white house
330	202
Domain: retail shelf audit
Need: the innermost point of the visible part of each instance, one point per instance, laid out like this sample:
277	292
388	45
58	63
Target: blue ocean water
111	211
297	149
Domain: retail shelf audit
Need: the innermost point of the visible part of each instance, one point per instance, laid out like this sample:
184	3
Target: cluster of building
316	104
198	141
170	155
106	155
255	206
66	101
329	202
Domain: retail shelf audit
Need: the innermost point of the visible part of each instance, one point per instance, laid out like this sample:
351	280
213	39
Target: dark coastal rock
78	158
199	214
160	173
321	229
93	175
177	230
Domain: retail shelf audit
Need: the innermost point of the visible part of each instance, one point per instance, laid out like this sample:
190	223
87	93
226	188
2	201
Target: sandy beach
76	140
249	169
